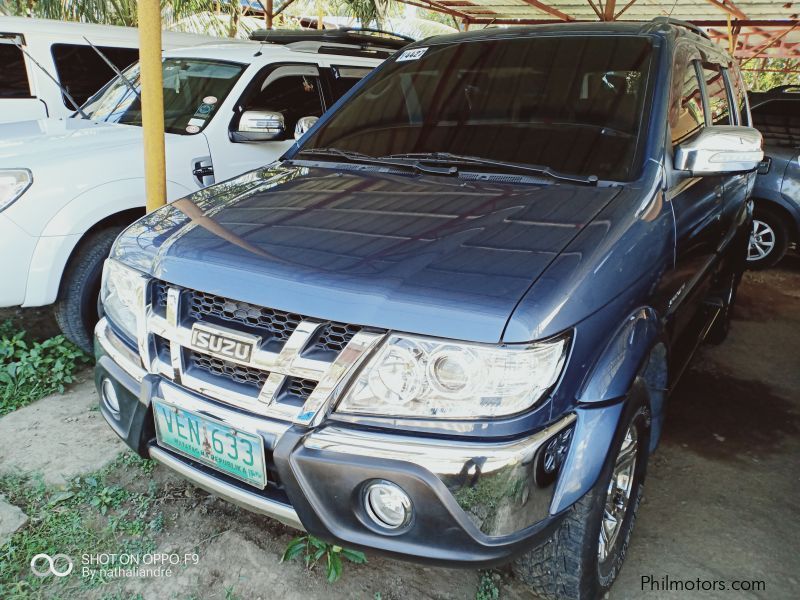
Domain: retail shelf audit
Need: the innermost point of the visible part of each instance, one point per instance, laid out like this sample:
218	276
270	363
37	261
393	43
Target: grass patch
30	370
487	588
91	515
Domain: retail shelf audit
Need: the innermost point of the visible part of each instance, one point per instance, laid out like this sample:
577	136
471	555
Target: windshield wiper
389	161
114	68
449	158
63	89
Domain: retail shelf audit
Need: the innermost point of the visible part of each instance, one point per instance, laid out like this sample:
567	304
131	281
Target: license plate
229	450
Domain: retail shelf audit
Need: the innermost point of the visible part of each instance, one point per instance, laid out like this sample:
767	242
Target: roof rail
782	89
679	23
365	39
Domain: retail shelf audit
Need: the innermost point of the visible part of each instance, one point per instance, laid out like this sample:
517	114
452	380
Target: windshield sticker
210	100
198	122
192	129
203	110
414	54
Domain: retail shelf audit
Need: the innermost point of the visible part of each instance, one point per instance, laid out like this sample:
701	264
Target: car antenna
64	91
114	68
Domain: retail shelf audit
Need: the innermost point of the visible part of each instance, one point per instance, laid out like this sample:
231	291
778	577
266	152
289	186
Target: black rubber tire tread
565	567
782	240
76	307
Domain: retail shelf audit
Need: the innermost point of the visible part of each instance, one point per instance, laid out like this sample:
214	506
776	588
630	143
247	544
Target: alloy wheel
762	241
618	497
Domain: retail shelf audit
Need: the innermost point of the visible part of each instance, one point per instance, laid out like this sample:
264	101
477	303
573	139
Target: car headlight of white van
13	183
123	296
412	376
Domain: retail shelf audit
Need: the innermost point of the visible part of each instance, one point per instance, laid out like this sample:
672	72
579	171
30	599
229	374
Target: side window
739	95
687	116
292	90
83	72
343	78
779	122
13	76
717	94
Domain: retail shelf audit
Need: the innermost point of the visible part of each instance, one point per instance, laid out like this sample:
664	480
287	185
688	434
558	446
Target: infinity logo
50	562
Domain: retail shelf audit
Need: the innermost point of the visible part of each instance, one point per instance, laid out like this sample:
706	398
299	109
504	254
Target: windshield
570	103
193	90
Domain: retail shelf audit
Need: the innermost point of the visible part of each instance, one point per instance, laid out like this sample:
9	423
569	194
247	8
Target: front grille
269	322
280	324
295	387
223	368
244	384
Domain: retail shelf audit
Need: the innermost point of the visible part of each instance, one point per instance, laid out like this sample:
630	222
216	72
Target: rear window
779	122
13	76
82	71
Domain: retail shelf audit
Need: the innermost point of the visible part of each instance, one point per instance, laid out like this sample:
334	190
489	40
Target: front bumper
474	503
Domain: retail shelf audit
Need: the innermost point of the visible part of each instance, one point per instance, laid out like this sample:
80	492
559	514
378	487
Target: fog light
110	399
388	505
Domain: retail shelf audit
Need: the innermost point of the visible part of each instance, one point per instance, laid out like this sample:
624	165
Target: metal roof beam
549	10
728	7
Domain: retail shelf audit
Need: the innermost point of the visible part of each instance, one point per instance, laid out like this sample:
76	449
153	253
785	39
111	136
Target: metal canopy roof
758	28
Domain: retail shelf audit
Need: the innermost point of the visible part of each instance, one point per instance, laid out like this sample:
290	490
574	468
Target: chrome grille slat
280	380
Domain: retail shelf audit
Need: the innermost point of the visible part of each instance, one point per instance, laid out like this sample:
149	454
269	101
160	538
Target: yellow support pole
155	170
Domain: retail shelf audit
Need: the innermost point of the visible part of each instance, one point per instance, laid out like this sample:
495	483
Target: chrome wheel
762	241
618	497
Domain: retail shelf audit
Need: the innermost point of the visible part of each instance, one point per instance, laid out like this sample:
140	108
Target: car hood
424	254
26	143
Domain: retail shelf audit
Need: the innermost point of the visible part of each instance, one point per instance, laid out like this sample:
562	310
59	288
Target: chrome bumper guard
252	502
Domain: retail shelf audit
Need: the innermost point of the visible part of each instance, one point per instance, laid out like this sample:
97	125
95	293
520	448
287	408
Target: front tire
585	554
77	307
769	240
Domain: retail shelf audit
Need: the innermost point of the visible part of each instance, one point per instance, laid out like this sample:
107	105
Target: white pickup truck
39	55
69	186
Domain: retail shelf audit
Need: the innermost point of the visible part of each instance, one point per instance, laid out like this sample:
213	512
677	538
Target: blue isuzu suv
445	324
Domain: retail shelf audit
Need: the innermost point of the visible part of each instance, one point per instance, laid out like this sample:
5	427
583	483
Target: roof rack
685	24
364	40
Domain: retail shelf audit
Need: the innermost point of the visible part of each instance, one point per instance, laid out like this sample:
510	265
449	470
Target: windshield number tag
414	54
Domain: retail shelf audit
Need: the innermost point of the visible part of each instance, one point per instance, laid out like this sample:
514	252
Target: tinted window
344	78
193	91
686	115
717	94
13	76
83	72
571	103
287	91
779	122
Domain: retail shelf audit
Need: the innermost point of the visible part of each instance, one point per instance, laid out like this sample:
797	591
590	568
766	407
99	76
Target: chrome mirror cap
303	125
259	126
720	149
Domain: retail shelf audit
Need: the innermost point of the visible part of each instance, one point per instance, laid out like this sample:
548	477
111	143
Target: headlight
122	294
13	183
426	377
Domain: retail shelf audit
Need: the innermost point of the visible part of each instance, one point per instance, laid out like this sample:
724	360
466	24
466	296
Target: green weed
315	550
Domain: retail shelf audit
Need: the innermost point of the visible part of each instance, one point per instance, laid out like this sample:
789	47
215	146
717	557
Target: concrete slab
11	520
60	437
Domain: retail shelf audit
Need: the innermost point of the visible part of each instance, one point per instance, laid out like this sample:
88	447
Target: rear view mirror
720	149
259	126
303	125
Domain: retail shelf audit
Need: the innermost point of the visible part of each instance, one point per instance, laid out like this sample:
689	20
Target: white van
26	91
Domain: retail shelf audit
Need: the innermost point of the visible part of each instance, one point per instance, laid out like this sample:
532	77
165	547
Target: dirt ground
721	500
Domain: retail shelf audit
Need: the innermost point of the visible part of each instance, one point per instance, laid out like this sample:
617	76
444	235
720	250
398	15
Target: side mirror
259	126
303	125
720	149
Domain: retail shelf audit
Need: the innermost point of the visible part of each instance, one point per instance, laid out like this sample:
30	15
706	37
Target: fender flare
634	361
66	229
